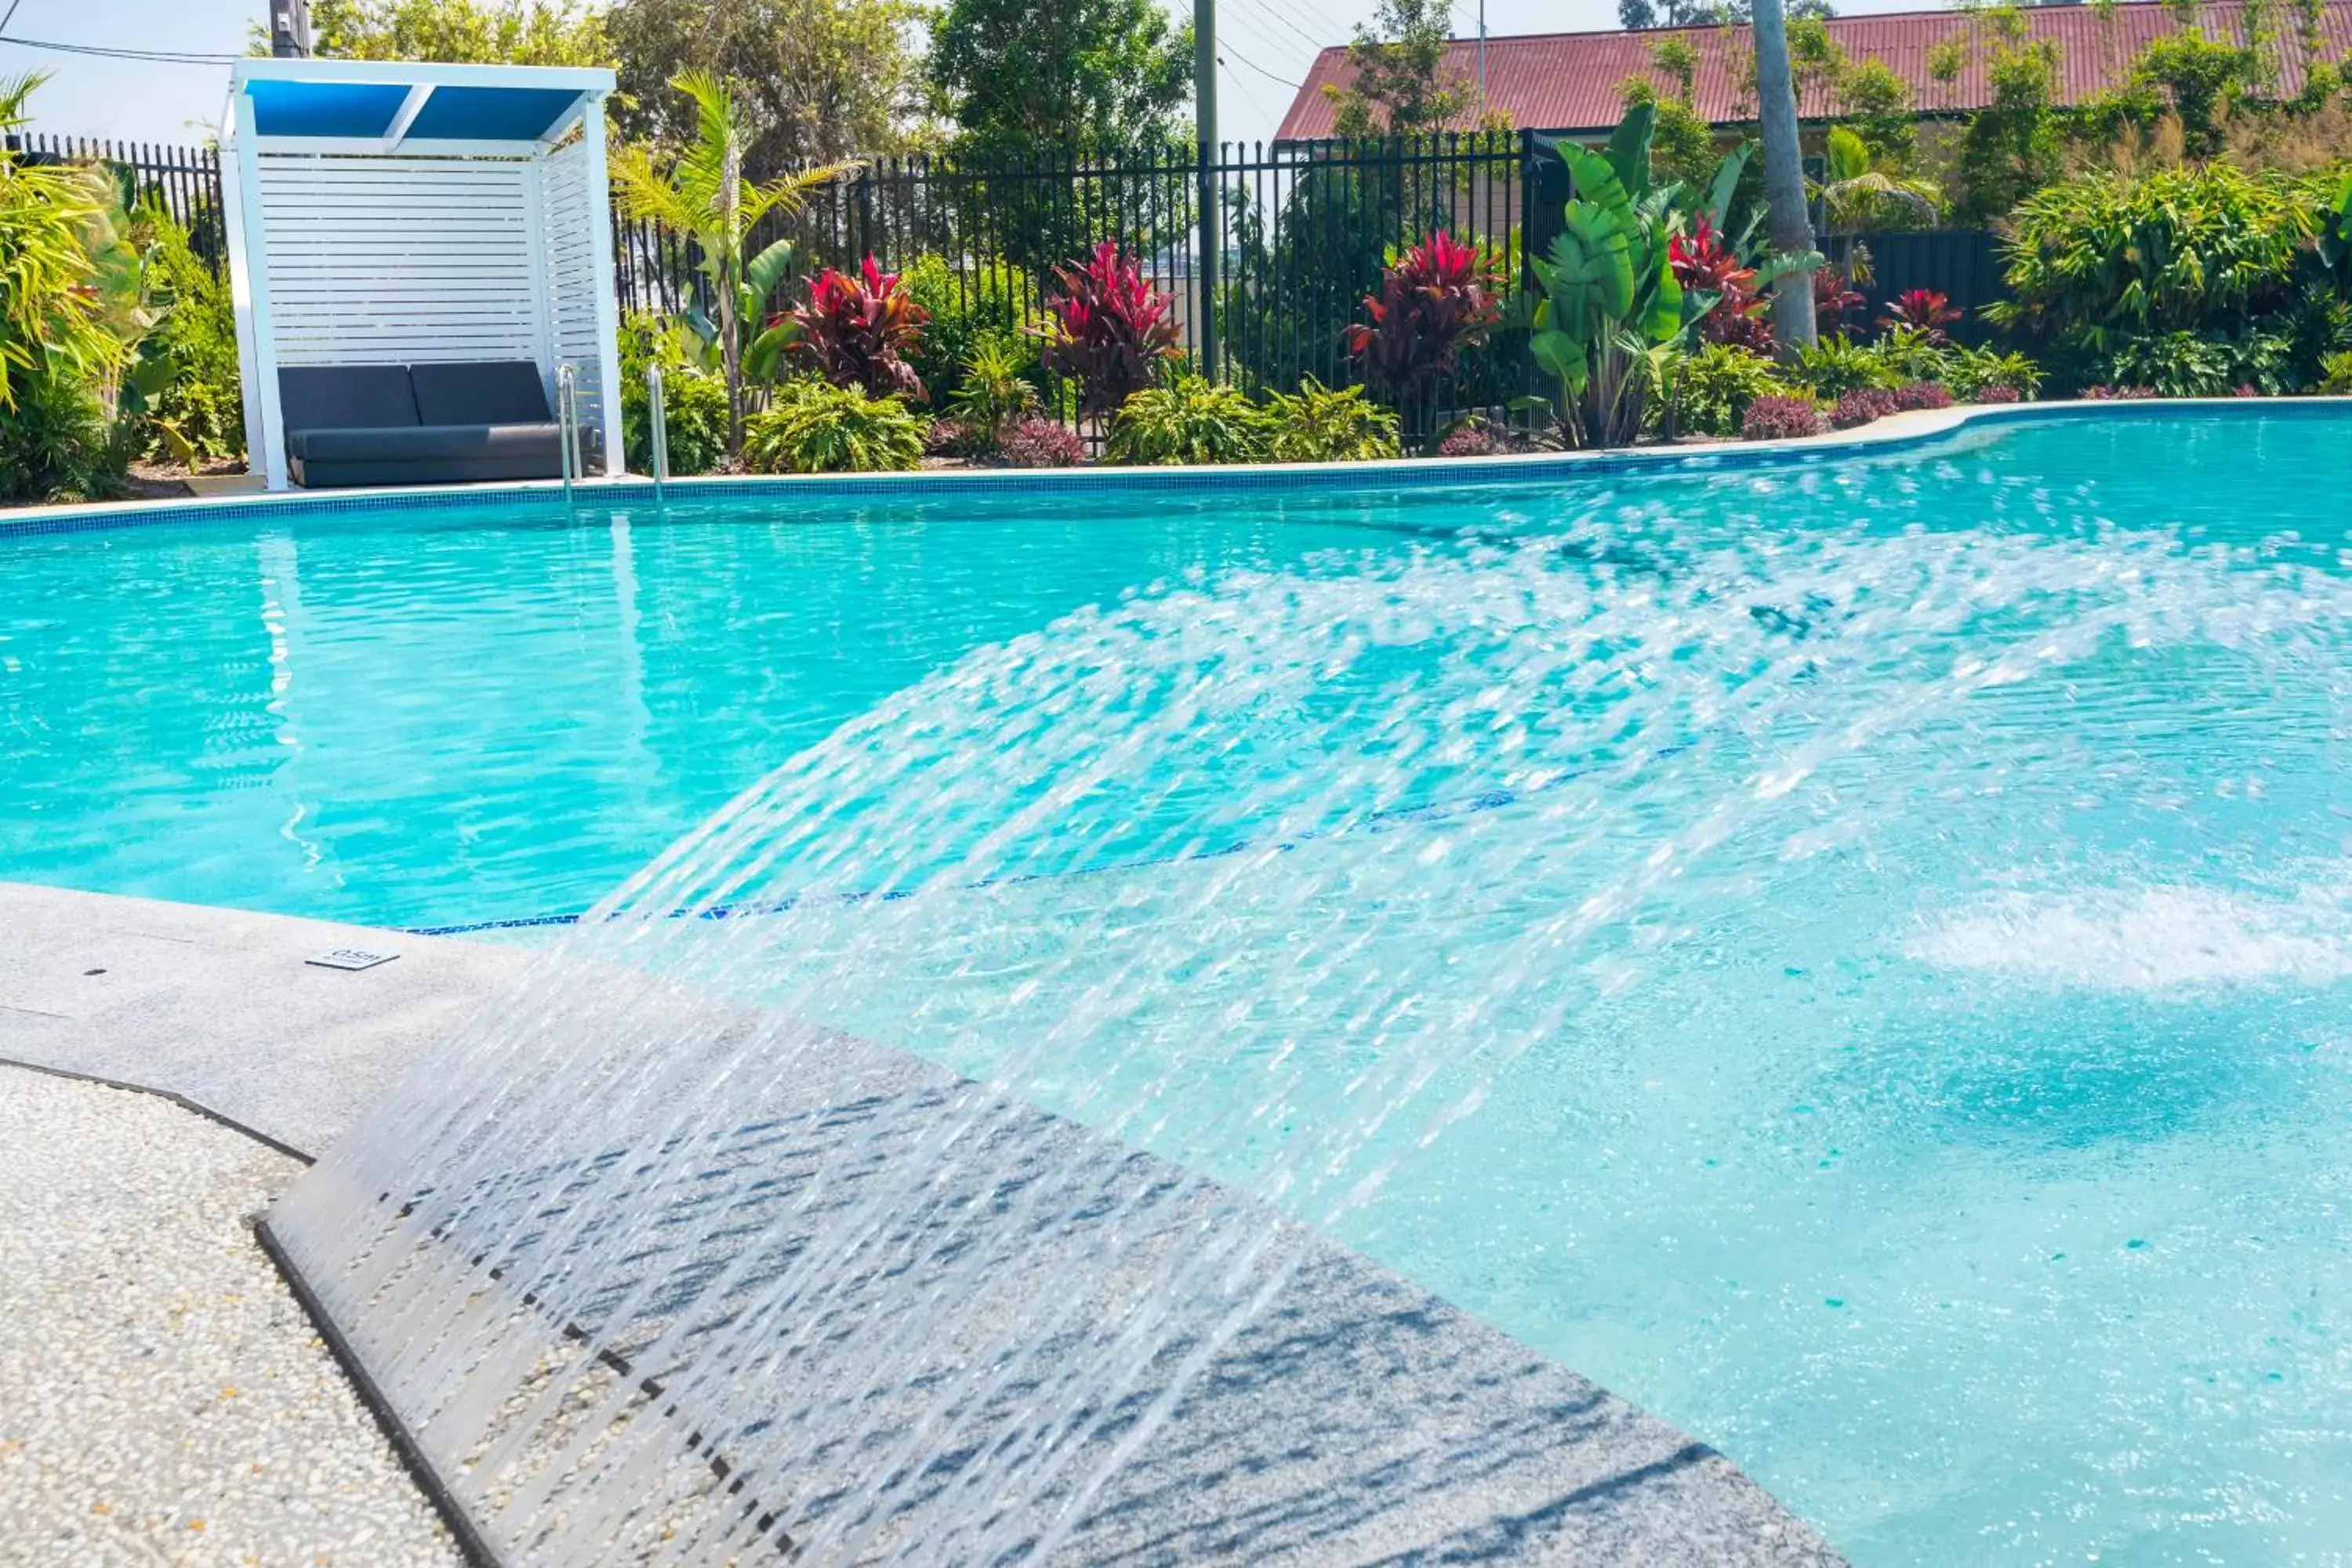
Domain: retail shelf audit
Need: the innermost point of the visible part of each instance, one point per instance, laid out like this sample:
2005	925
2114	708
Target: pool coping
1894	434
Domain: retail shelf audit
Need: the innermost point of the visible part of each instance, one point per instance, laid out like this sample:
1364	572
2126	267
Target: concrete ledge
219	1005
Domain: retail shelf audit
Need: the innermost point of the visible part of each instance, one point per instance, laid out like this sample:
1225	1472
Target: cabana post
453	221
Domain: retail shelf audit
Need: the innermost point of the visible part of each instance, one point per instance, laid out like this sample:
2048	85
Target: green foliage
197	411
1876	105
1612	303
993	299
1317	424
818	81
816	428
462	32
1969	373
704	195
1189	419
1835	366
2165	278
2015	145
56	443
1402	87
2336	374
1681	146
694	401
2200	80
995	388
1709	389
1017	76
55	226
1858	194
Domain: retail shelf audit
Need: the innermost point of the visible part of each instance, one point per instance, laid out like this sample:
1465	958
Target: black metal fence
183	181
1961	264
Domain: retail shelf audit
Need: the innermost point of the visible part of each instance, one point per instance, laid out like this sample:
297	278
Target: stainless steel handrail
567	415
657	426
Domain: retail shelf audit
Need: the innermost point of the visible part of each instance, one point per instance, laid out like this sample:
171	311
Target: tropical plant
1190	419
857	330
1107	331
2195	364
1835	366
1478	437
197	410
53	312
1835	299
994	392
1709	388
1921	394
1705	265
816	428
57	443
1612	304
1970	375
1781	419
1855	194
1436	299
1041	442
694	400
2336	374
704	196
1862	405
1017	76
1317	424
966	301
2000	392
1923	311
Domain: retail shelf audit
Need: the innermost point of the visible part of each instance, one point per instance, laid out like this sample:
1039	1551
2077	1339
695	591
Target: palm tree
704	198
1853	192
1790	226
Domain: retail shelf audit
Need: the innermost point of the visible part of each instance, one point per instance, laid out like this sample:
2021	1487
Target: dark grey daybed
418	424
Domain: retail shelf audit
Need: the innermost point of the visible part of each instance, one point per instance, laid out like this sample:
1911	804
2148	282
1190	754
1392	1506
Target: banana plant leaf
1629	153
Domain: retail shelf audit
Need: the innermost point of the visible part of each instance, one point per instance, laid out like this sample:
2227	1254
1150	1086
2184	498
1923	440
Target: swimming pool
1878	927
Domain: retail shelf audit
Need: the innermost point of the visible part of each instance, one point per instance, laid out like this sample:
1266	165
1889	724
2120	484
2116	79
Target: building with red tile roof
1571	82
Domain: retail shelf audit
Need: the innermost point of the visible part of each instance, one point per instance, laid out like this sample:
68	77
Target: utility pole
289	30
1482	60
1204	124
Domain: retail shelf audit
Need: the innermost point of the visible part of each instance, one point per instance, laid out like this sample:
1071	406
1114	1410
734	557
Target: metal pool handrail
567	416
657	424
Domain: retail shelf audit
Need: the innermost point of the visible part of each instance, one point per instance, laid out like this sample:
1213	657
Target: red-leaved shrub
2002	392
858	331
1775	418
1924	308
1109	329
2116	394
1862	405
1038	443
1435	300
1922	394
1703	262
1835	299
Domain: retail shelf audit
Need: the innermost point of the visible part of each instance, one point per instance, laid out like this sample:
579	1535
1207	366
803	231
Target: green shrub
994	299
2193	364
1709	389
2336	374
814	427
694	400
1968	372
995	391
1835	366
2164	268
199	413
57	444
1189	419
1317	424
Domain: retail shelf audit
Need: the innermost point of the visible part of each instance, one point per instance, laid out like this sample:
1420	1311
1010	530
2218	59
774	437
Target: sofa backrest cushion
346	396
500	392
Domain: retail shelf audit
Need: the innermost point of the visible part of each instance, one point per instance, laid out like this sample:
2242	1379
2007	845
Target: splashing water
1871	993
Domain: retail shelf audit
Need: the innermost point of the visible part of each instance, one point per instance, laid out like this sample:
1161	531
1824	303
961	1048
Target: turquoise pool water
1893	916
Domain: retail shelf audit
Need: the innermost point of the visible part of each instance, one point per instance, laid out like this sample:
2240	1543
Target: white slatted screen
397	260
568	220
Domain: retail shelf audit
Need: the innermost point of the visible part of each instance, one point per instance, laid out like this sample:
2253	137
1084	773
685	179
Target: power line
11	15
1304	37
104	52
1240	58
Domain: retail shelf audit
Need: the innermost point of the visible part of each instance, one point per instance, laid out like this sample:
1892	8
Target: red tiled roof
1569	81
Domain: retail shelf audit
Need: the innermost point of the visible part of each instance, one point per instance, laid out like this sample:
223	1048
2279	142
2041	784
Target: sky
1266	46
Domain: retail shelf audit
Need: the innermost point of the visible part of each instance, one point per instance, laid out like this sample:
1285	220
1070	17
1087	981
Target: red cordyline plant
1835	299
1925	310
859	330
1702	264
1109	329
1435	300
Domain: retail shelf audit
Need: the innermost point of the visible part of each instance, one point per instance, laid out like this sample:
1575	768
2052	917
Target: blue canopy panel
365	111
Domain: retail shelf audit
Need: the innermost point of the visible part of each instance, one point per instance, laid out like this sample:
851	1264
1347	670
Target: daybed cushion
500	392
428	443
347	396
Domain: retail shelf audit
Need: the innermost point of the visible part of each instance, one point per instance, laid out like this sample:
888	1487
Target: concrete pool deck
219	1006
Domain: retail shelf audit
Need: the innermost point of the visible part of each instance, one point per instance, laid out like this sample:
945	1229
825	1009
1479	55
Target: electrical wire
11	15
102	51
1230	10
1240	58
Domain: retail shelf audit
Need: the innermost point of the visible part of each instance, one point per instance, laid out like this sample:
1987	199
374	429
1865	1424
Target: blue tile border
1912	433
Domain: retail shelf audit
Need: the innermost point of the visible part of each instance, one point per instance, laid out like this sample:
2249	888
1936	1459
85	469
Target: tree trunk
1787	222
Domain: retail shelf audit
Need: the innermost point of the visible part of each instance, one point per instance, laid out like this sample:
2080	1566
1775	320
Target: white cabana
387	213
